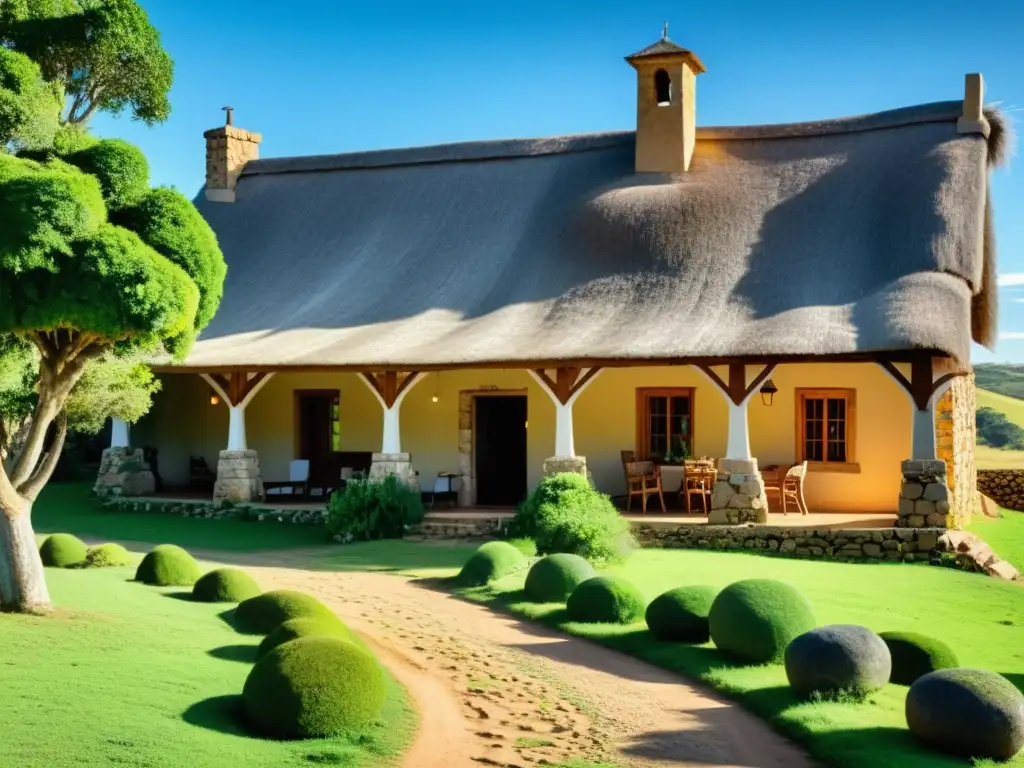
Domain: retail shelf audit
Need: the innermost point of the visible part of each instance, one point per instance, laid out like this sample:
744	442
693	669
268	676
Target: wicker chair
791	488
699	480
643	480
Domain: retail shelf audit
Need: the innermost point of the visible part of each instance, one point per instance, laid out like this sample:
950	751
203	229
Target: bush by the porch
107	556
756	619
168	565
681	614
373	509
565	514
491	561
293	629
262	614
313	687
915	655
62	550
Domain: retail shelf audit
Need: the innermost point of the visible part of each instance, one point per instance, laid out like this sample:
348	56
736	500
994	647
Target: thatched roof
847	236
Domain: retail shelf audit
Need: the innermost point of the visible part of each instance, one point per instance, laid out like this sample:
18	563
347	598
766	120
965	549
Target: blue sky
322	77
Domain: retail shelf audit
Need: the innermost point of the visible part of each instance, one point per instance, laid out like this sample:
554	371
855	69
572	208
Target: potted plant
677	453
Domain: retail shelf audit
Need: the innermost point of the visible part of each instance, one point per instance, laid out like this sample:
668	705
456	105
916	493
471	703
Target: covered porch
291	436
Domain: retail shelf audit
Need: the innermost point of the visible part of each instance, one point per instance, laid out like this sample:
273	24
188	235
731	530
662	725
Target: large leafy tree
104	54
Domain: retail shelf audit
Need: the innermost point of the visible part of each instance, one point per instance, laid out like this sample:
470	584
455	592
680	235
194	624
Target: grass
987	457
981	618
70	507
1011	407
123	675
1005	534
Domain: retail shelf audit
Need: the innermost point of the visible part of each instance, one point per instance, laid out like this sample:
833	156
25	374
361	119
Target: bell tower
666	106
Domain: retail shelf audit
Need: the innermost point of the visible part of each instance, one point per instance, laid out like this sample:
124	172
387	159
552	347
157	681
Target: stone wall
124	472
398	464
956	434
221	510
1004	486
894	544
238	476
577	464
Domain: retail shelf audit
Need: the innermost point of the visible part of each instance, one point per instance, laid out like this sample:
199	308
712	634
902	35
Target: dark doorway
500	450
318	431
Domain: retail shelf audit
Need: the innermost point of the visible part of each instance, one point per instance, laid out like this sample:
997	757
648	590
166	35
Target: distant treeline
996	430
1003	378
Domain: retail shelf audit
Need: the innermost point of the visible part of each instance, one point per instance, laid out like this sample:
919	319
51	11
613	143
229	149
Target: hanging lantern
214	399
768	391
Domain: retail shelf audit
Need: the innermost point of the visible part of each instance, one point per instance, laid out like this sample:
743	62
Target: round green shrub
967	712
122	170
225	585
755	619
837	660
491	561
62	550
313	687
564	513
525	545
293	629
168	565
553	578
607	600
260	615
107	556
681	614
915	655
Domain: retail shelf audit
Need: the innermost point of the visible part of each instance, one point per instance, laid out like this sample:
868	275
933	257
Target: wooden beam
407	381
584	379
921	385
373	381
759	379
619	362
543	376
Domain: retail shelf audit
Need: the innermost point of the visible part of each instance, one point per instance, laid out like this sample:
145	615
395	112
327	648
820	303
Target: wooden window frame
297	395
825	393
643	423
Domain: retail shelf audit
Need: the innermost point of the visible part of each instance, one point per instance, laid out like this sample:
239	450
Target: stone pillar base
400	464
558	464
924	496
124	472
238	477
738	496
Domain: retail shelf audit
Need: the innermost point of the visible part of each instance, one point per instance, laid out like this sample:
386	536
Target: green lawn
1011	407
1005	534
71	508
987	457
981	618
128	675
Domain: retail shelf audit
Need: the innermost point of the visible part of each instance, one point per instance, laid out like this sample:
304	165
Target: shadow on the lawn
245	654
218	713
186	596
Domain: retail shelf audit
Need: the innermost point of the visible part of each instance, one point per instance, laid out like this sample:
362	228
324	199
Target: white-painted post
392	438
236	428
118	433
922	423
565	440
738	445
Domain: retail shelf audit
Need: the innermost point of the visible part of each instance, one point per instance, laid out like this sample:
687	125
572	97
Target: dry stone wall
124	472
956	434
1004	486
892	544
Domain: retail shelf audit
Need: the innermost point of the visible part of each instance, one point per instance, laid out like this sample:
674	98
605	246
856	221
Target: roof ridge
495	149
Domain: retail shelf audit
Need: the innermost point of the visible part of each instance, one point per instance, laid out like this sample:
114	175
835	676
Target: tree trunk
22	580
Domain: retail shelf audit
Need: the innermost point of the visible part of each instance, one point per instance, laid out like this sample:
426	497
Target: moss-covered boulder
62	550
553	578
313	687
293	629
107	556
225	585
493	560
606	600
915	655
754	620
168	565
841	659
967	712
681	614
262	614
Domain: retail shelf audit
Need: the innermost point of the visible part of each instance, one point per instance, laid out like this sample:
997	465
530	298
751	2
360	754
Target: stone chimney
666	106
228	149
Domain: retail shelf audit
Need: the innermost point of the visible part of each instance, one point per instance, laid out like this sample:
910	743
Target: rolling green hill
1001	378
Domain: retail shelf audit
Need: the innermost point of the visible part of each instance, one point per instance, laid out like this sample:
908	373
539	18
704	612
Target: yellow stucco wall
183	423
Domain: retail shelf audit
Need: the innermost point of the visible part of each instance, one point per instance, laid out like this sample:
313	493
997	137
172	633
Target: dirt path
494	690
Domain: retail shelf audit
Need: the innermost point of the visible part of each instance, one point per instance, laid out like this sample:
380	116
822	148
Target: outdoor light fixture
214	400
768	391
437	384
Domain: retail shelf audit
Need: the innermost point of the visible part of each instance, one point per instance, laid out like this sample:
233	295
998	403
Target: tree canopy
105	54
29	106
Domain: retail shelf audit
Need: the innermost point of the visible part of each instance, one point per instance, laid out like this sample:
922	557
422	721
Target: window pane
837	409
659	444
836	451
812	450
657	406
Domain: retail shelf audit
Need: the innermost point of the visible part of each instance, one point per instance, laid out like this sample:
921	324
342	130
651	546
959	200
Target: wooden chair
698	479
791	487
643	480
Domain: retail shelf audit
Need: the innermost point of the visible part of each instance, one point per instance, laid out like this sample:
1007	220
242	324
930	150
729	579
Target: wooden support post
739	394
237	389
567	385
923	388
390	393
